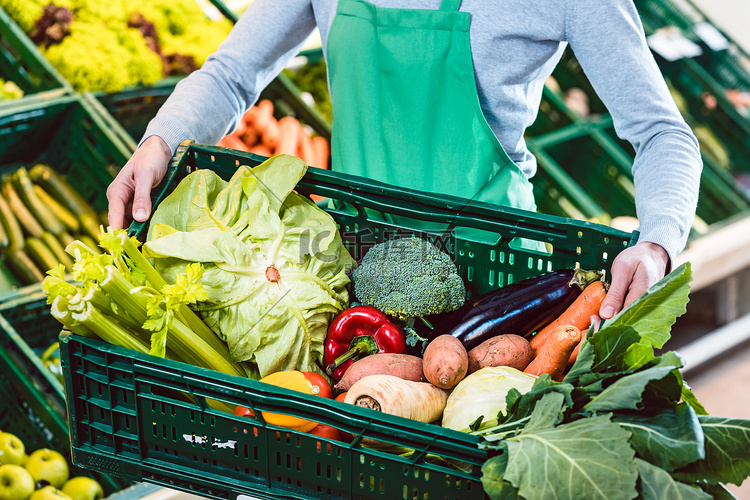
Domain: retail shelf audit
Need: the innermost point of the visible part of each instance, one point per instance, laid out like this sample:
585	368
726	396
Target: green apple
49	493
48	465
83	488
11	449
15	482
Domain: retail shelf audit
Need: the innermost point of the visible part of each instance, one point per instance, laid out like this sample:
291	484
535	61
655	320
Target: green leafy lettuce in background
275	268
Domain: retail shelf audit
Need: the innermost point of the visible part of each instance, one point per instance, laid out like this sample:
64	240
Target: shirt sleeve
208	104
609	42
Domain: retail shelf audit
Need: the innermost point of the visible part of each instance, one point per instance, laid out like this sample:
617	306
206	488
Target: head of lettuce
275	269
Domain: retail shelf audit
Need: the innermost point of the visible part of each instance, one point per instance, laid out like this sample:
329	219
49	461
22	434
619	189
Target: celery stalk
60	312
184	313
193	350
109	331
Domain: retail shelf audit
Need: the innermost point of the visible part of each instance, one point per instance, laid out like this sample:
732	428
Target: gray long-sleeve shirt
515	46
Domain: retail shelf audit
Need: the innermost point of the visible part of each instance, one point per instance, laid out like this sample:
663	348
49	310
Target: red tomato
328	432
341	397
241	411
320	386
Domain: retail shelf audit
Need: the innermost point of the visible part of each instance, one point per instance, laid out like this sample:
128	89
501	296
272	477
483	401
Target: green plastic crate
69	135
578	147
23	64
128	410
134	108
27	413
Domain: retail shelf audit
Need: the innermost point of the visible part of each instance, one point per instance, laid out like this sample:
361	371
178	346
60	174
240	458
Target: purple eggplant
520	308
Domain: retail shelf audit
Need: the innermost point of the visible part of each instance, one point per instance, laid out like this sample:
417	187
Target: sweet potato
445	362
403	366
501	350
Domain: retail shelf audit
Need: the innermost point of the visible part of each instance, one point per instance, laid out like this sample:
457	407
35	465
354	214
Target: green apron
406	109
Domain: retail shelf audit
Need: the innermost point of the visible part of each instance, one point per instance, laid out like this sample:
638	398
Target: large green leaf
727	452
627	392
589	458
654	312
611	345
521	406
494	485
670	439
656	484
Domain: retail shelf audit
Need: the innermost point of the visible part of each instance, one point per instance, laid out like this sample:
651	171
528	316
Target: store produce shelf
585	147
149	419
28	413
69	135
22	63
133	108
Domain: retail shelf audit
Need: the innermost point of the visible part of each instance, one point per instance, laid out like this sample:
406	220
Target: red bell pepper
357	332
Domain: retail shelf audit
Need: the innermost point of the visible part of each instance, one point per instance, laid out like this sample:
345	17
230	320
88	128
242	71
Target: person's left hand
634	270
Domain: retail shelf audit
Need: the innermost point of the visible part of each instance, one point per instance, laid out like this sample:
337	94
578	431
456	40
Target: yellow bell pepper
305	382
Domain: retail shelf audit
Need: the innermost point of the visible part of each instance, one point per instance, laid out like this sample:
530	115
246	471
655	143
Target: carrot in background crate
320	152
304	147
289	129
553	356
233	142
578	314
263	115
270	136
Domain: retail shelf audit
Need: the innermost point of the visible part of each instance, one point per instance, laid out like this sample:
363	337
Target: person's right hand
129	194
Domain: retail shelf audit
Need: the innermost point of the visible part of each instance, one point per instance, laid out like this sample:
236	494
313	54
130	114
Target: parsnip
413	400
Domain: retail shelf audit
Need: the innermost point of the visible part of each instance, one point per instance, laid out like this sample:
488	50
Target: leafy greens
621	424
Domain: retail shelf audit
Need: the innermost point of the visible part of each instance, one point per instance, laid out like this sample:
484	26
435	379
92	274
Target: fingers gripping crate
150	419
23	64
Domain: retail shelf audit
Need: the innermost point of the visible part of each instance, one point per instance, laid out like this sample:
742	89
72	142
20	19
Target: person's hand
634	270
129	194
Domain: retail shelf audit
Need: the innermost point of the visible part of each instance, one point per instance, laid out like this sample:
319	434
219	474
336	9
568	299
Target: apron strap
450	5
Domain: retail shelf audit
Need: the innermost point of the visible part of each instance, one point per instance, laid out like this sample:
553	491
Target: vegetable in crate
408	278
520	308
358	332
481	396
445	362
501	350
622	424
419	401
305	382
403	366
119	297
275	268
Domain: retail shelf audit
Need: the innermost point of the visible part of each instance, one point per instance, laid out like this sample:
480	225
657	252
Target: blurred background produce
147	39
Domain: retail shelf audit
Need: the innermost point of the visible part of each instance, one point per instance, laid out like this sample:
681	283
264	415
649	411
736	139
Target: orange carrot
304	147
233	142
270	136
261	150
574	354
241	128
320	152
249	116
577	314
263	115
554	354
289	129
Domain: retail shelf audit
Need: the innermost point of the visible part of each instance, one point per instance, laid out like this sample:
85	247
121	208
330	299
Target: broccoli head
408	278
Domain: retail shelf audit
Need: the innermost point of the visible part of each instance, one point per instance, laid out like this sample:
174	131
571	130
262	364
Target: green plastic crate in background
27	413
67	134
129	411
23	64
134	108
